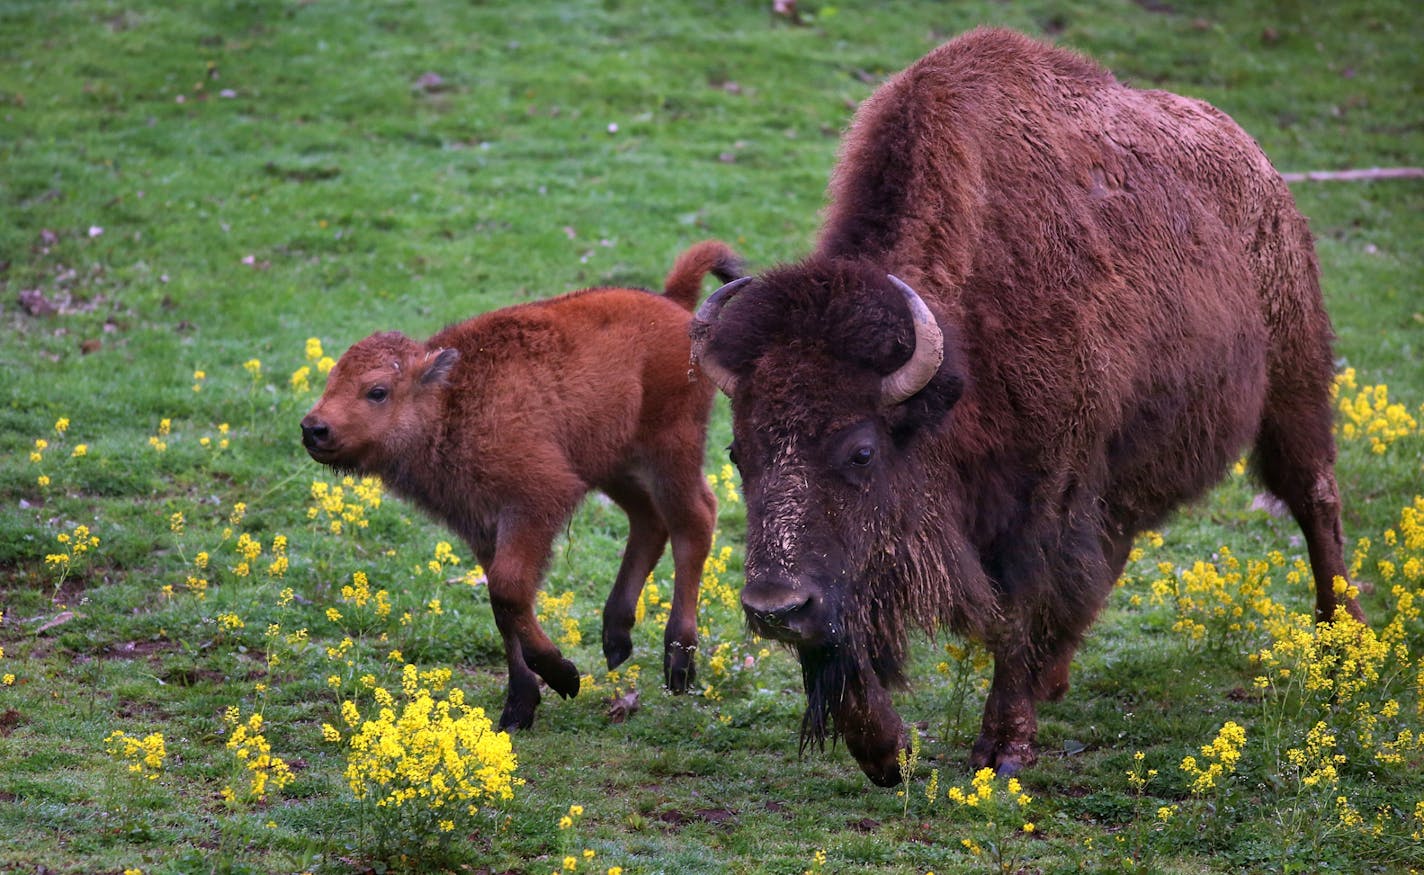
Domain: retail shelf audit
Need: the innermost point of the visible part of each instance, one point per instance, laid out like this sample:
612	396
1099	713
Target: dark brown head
834	369
837	372
379	400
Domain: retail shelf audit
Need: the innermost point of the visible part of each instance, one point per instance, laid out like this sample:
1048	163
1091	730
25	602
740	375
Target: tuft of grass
191	187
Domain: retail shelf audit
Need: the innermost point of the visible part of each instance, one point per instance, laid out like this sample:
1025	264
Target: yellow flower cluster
726	484
716	590
223	441
262	770
331	501
159	440
560	608
998	812
278	566
1222	754
1368	413
1220	604
75	544
230	622
143	756
982	791
431	757
37	453
1315	762
358	591
248	549
1138	778
966	660
1335	671
323	362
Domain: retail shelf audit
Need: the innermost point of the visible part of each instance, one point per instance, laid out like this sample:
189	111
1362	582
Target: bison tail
684	281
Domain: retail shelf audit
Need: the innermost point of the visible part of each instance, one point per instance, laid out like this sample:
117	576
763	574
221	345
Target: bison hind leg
1294	457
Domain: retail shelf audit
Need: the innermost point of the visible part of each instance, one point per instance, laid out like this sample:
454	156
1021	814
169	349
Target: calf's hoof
679	667
561	675
519	709
617	647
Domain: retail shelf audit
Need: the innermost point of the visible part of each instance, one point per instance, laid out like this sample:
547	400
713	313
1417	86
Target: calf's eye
377	393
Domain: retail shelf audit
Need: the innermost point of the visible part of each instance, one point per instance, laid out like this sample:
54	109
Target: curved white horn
701	329
916	373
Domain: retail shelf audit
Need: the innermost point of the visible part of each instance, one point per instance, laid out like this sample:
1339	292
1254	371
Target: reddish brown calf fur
500	425
1108	294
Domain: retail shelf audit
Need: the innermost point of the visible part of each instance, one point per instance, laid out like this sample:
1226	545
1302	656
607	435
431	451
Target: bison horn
916	373
701	329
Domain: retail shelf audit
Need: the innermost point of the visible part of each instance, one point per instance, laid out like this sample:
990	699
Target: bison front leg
872	729
1006	735
520	554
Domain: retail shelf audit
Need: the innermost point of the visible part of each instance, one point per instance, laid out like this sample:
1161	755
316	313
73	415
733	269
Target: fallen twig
1353	175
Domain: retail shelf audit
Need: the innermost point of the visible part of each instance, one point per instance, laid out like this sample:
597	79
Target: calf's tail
684	282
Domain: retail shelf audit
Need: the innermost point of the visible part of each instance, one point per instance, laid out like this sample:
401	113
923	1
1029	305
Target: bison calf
500	425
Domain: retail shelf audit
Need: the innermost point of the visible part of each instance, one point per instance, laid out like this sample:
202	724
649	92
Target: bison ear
438	365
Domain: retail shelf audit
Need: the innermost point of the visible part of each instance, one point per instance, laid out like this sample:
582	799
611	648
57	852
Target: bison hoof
680	668
1006	758
617	649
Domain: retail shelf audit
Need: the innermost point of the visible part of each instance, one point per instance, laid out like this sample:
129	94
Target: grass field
190	192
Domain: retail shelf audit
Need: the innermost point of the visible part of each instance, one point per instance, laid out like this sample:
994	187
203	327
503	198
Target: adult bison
498	426
1044	310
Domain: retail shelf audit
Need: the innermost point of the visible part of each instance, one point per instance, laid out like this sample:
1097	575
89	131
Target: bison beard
825	672
1108	294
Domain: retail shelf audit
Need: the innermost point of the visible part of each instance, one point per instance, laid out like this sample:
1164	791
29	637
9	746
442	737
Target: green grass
361	200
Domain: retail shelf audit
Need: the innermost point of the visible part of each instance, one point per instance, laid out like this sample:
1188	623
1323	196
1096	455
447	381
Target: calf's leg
689	511
521	551
647	536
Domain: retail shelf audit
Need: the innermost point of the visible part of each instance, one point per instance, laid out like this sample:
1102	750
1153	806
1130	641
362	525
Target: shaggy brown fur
1128	298
499	426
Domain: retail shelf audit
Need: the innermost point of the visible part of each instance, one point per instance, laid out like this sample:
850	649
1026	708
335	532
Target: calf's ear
438	365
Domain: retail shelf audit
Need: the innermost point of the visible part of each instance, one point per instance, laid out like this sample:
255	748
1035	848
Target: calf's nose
314	431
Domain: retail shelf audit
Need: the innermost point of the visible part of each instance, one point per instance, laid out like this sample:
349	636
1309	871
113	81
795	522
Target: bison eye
377	394
860	457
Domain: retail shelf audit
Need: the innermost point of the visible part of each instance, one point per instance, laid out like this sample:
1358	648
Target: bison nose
314	432
776	607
